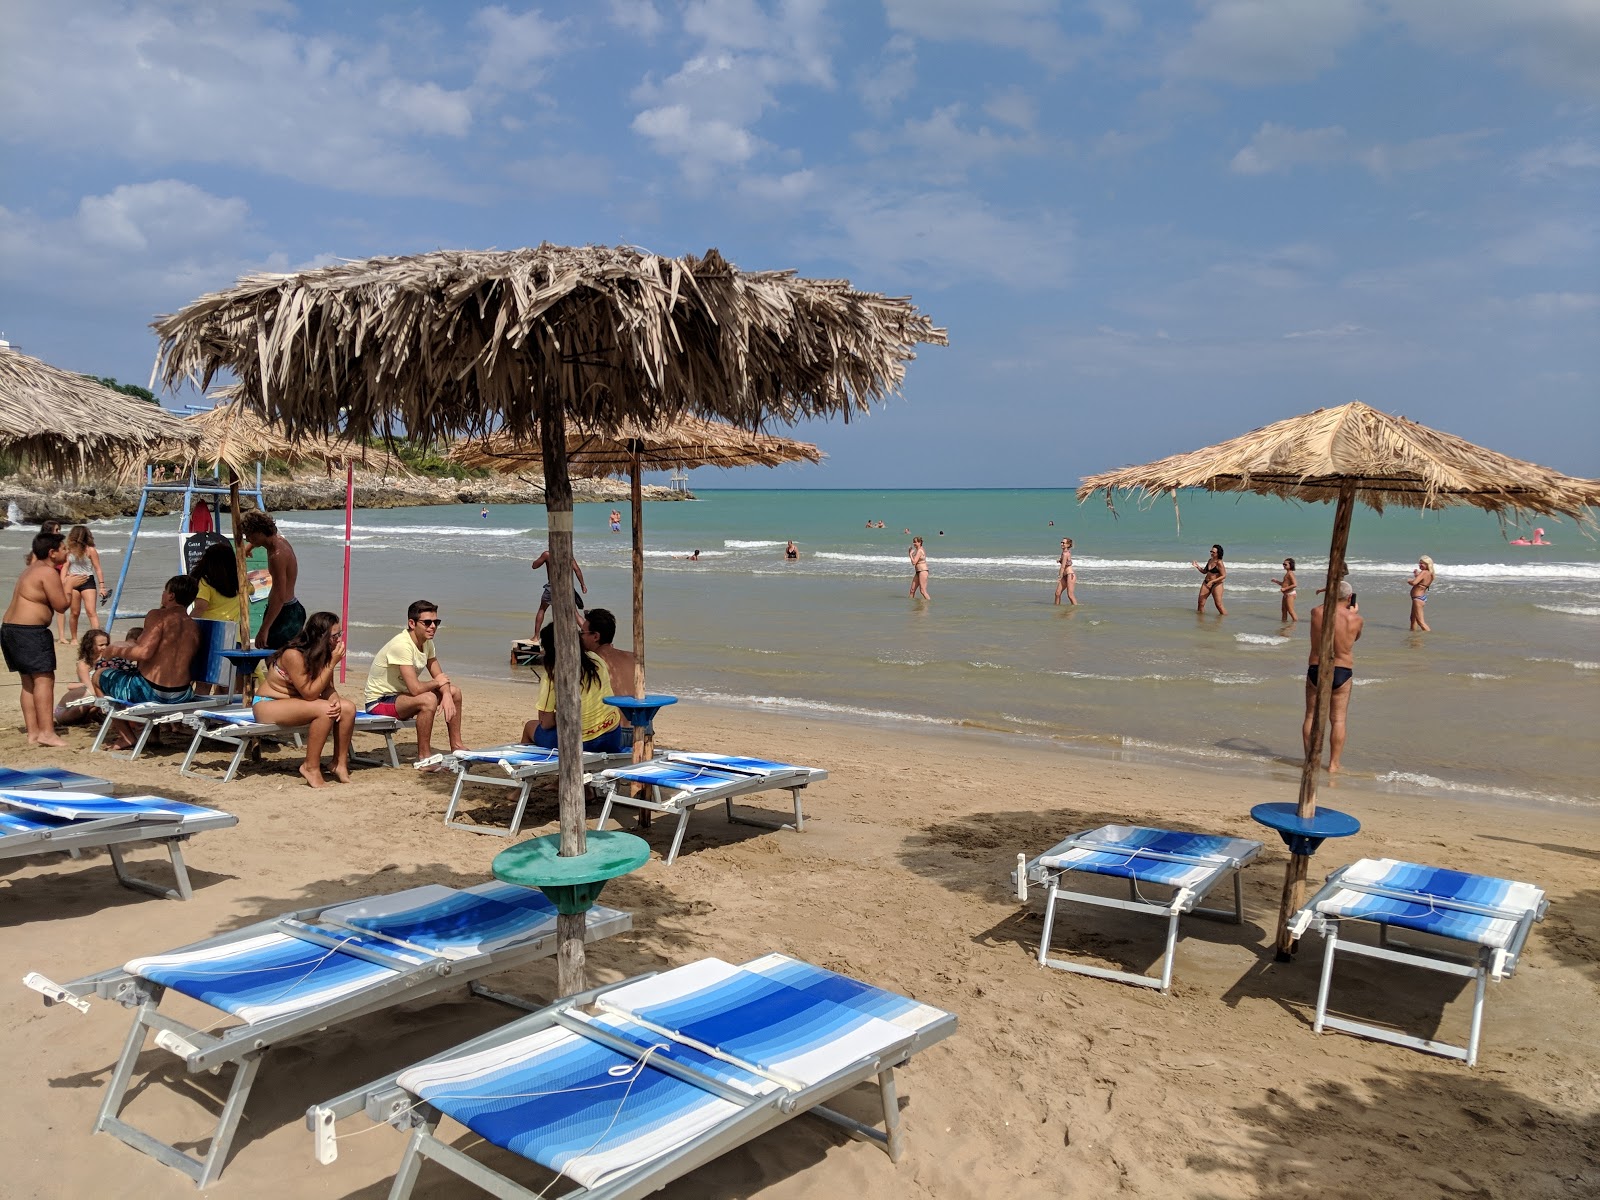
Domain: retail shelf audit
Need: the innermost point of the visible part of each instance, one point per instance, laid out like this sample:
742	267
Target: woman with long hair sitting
298	690
217	601
602	724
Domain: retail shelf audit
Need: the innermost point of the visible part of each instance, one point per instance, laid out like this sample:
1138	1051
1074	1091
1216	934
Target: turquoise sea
1501	699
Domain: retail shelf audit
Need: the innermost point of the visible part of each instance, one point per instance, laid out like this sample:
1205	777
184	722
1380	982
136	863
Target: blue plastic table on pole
641	711
244	664
1304	834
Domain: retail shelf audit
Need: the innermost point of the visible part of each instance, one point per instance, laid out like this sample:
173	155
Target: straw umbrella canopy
634	447
1344	454
70	424
456	343
236	435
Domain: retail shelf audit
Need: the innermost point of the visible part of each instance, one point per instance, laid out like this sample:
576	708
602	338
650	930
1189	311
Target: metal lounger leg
238	757
1477	1013
146	727
425	1144
455	798
799	816
605	812
677	834
895	1143
100	738
1049	921
1171	954
127	879
522	804
405	1179
185	767
1330	946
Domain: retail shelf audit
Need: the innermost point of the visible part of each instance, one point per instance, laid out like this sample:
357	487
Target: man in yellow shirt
396	688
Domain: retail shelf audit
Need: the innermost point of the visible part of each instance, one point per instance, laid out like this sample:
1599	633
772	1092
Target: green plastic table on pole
572	884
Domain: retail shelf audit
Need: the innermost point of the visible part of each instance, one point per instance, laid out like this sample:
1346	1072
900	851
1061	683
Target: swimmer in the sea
791	551
1287	588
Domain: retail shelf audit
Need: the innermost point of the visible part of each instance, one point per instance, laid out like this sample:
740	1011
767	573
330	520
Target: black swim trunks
1341	676
291	619
28	649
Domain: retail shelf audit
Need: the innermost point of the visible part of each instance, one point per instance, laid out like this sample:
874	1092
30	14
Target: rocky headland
37	499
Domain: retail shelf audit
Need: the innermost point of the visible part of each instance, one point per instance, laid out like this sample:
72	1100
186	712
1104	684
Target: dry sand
1054	1084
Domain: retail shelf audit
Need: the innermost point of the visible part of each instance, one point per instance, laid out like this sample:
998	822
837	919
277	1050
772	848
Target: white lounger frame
242	737
386	1101
113	833
520	777
1183	900
149	717
243	1045
682	804
1480	967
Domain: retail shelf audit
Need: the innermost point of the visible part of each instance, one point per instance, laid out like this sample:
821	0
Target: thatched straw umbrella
69	424
1346	454
459	343
682	443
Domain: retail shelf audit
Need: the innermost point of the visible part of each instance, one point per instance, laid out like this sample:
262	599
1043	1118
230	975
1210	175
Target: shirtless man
285	615
599	626
26	638
1346	631
544	597
1419	583
161	657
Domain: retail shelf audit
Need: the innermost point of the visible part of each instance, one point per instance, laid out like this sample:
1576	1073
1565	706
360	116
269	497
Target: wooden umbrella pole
239	554
569	701
644	742
1294	881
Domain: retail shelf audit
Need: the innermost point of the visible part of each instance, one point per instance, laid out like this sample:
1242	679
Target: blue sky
1147	226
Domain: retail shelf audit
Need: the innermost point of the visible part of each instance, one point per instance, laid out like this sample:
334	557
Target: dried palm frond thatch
69	424
471	342
1349	453
1390	460
684	442
236	436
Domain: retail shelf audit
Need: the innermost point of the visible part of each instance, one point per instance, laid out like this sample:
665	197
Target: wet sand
1054	1084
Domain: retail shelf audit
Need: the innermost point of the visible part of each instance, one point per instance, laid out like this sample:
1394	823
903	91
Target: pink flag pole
349	522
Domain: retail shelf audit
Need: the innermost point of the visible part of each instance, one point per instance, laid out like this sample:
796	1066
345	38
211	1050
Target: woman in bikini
1215	572
1287	588
298	691
82	576
919	568
1067	580
1419	583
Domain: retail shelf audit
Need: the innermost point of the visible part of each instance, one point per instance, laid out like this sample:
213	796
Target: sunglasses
430	623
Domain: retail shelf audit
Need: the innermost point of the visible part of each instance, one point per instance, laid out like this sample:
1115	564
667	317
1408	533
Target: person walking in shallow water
1419	583
1214	572
1346	632
919	569
1287	588
1067	579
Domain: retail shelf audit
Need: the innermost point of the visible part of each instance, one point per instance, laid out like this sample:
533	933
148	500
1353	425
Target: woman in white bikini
1287	588
82	576
1067	580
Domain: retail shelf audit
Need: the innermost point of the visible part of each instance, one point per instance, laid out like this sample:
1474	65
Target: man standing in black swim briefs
1346	631
285	615
26	640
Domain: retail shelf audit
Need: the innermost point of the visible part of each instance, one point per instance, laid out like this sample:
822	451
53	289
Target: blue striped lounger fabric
35	779
238	730
1188	864
625	1088
520	766
676	783
51	820
1491	917
300	973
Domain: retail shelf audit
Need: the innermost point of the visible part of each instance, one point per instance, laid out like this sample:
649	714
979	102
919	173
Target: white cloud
638	17
703	115
1268	41
1276	148
160	84
1556	304
1014	107
1344	349
943	238
781	189
142	247
516	47
1547	241
1030	26
944	150
1547	162
891	78
1556	43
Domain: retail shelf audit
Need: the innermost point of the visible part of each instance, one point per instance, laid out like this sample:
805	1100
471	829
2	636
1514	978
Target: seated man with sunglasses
396	688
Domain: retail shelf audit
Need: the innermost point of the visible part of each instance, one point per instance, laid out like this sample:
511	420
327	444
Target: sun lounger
238	728
1493	916
624	1088
38	779
520	767
307	970
1190	864
50	821
148	716
677	783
